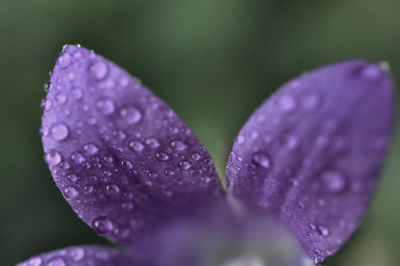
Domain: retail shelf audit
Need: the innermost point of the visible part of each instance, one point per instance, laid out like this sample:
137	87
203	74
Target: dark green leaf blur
212	61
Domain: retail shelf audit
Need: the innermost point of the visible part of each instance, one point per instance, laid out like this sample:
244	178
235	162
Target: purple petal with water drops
224	239
81	256
311	153
122	158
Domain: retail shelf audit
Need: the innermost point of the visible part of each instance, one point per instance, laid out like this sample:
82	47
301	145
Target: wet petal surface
122	159
311	153
224	239
81	256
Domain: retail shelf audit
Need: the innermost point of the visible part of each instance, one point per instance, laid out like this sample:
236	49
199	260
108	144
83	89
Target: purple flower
299	178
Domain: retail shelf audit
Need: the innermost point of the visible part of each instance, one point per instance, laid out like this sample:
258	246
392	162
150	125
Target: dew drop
136	145
108	159
262	160
46	104
102	225
77	94
64	60
77	254
131	115
44	131
162	156
53	158
35	261
106	106
311	101
128	164
196	156
124	81
323	230
70	192
78	158
112	189
90	149
99	70
88	189
57	262
291	142
184	165
61	98
178	145
59	132
152	143
334	180
73	178
372	72
169	172
240	139
287	103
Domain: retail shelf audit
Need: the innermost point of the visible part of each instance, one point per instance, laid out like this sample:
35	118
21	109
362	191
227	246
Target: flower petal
312	152
122	158
81	256
224	239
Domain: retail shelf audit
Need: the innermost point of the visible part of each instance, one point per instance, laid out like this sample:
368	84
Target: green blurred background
212	61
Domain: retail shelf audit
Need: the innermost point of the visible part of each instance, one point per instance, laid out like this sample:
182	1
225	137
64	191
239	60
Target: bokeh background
212	61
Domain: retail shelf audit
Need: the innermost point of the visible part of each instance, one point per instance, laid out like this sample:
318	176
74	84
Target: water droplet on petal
311	101
46	104
61	98
152	143
291	142
88	189
323	230
106	106
59	132
73	177
131	115
169	172
162	156
37	261
262	160
53	158
57	262
136	145
178	145
287	103
112	189
44	131
102	225
124	81
77	94
78	158
372	72
196	156
77	254
64	60
240	139
70	192
99	69
334	180
184	165
90	149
